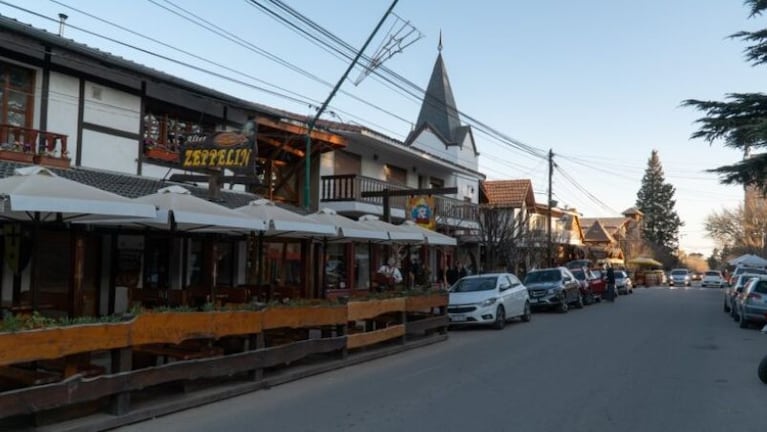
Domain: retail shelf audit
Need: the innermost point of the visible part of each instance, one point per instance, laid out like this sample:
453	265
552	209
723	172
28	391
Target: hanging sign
421	211
220	150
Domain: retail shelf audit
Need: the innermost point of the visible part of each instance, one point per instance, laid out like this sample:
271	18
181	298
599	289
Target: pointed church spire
438	109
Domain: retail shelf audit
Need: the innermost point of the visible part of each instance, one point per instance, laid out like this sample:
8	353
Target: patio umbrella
433	238
36	193
282	222
645	261
397	233
347	228
748	260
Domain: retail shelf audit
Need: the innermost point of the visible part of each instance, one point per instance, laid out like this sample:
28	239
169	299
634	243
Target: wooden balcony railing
29	145
350	187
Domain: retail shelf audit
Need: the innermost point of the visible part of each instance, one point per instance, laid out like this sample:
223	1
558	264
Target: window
225	264
335	267
17	86
395	175
169	132
362	266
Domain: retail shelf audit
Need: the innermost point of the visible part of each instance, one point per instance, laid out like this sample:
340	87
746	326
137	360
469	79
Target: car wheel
527	315
500	318
590	299
579	302
726	307
734	315
743	322
563	306
763	370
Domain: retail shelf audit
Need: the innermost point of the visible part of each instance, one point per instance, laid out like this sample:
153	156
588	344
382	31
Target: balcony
349	188
27	145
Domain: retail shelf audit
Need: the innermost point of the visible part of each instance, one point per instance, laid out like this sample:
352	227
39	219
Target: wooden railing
33	143
350	188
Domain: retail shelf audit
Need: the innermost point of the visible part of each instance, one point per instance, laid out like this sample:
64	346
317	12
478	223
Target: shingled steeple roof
439	109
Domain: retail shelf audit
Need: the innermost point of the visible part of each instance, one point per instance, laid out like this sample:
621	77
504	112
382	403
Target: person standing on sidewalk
610	276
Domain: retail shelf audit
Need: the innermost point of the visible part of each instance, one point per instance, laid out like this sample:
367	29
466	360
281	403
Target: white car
713	278
490	298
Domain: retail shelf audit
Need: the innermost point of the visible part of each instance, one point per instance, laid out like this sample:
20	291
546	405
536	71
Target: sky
599	82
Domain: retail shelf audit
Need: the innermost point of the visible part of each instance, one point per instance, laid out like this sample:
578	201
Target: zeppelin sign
230	150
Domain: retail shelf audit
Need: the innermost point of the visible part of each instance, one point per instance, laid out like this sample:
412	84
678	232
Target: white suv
712	278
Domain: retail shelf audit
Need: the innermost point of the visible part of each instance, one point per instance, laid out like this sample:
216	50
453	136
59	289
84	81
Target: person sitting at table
388	274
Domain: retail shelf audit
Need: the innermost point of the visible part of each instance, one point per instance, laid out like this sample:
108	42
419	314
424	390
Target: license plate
457	317
533	300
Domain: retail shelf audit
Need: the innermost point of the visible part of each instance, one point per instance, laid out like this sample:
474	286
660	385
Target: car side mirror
504	287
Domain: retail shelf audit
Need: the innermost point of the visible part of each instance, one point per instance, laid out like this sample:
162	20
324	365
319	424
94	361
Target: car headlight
553	290
488	302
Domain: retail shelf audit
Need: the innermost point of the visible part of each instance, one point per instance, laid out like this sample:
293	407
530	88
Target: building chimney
62	19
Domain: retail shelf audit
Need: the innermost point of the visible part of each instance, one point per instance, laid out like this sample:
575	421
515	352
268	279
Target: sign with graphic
230	150
421	211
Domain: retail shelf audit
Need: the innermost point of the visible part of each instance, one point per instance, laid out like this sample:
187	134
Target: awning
433	238
397	233
347	228
282	222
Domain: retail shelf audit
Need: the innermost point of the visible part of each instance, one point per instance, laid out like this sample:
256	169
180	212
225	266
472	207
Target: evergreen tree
741	120
656	200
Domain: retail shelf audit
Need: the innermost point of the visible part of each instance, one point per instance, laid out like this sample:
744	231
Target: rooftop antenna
62	19
401	35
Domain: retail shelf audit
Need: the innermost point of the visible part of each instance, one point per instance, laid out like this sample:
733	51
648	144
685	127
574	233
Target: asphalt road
658	360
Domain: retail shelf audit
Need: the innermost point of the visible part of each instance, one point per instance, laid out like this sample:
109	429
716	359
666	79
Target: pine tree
741	120
656	200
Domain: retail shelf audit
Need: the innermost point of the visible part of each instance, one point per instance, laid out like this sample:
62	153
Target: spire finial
439	47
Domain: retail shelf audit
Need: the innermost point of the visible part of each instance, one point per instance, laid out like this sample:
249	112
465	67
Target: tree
741	230
503	232
656	200
741	120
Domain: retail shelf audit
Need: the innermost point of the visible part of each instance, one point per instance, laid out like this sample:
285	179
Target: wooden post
122	360
255	342
341	330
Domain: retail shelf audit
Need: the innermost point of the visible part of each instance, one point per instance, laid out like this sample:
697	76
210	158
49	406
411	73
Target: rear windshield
553	275
579	274
621	274
760	287
474	284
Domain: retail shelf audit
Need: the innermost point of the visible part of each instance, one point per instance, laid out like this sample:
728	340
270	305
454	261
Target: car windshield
543	276
712	273
621	274
751	271
679	273
579	274
760	287
473	284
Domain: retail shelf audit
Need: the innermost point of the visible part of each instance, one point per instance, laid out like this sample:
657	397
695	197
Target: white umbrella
397	233
280	221
433	238
749	260
37	190
347	228
179	210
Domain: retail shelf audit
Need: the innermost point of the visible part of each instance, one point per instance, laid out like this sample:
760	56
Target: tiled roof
610	224
597	233
509	193
131	186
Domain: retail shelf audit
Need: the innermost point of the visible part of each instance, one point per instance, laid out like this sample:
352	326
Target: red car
592	286
598	284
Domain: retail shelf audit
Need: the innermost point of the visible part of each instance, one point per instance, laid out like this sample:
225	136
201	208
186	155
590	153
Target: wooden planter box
56	342
17	156
52	161
425	302
362	310
176	327
308	316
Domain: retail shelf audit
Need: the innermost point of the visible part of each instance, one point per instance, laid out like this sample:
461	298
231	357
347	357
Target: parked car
578	264
554	287
731	292
623	282
598	285
586	280
490	298
743	269
713	278
751	304
679	277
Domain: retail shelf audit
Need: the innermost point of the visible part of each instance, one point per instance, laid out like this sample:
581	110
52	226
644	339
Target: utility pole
550	244
313	121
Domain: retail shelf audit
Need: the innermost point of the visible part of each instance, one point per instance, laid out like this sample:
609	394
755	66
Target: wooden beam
282	146
408	192
236	179
328	137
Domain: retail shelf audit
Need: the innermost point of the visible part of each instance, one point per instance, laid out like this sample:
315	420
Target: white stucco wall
112	108
430	143
62	108
109	152
466	154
